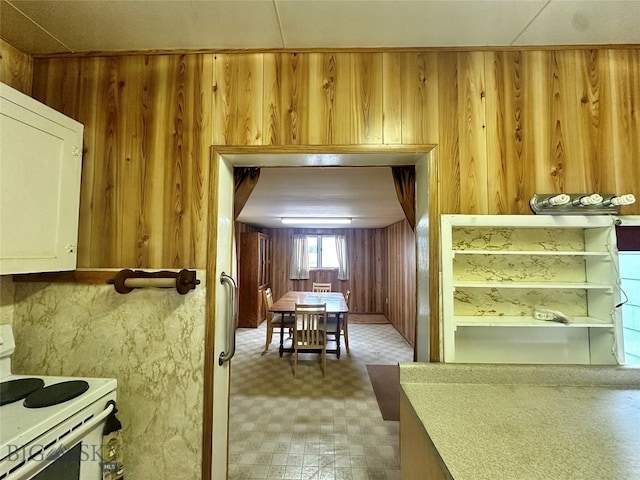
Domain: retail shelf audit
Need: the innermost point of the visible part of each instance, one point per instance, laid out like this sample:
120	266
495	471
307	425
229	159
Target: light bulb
626	199
555	201
592	199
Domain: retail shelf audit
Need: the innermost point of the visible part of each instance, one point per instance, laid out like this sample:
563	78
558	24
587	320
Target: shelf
496	269
512	321
533	285
542	253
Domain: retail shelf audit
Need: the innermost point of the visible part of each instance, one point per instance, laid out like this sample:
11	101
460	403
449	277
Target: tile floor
312	428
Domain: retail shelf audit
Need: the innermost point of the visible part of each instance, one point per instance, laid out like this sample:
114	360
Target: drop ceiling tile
585	23
401	23
145	25
25	35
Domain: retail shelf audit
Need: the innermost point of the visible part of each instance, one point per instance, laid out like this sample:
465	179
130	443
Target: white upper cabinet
40	166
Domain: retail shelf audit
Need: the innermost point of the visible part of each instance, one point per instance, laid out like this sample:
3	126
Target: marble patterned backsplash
522	268
516	302
7	293
150	340
519	268
534	239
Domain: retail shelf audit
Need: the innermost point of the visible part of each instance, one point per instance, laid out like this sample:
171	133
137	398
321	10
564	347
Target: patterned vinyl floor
312	428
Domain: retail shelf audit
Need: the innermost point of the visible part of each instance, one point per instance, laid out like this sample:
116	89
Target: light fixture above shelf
579	203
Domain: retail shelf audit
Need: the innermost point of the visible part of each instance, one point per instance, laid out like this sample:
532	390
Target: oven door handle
54	452
231	323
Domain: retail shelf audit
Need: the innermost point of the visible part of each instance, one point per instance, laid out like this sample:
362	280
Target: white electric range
62	441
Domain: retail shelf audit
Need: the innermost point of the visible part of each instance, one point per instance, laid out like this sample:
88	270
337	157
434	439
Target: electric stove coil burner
56	393
14	390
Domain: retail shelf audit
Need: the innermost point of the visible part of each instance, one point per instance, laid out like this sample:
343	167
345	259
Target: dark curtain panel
245	179
404	178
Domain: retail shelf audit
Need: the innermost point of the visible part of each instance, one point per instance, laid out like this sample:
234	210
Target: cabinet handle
231	322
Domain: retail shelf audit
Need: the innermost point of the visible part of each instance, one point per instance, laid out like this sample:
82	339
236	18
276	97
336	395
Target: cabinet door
40	165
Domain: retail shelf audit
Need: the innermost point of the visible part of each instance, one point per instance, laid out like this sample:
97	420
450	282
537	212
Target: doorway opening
220	258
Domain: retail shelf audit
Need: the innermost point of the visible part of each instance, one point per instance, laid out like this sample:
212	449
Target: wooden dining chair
309	332
321	287
274	320
344	323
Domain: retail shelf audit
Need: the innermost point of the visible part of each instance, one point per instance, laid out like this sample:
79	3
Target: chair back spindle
321	287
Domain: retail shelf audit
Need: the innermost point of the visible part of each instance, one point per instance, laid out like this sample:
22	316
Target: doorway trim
314	153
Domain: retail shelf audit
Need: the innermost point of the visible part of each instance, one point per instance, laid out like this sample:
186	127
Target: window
322	251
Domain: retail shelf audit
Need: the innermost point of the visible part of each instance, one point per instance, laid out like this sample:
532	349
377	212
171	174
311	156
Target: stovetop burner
56	393
14	390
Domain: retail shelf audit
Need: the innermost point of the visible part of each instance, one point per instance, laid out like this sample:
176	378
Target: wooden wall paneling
401	279
559	120
449	133
573	114
507	169
143	198
367	280
329	113
16	68
366	250
620	69
280	260
472	139
286	86
591	137
419	88
433	227
93	85
225	99
131	164
200	128
110	128
186	162
392	97
56	83
250	97
495	120
625	73
366	98
272	107
550	168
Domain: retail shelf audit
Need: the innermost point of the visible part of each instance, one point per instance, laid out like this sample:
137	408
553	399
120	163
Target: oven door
70	451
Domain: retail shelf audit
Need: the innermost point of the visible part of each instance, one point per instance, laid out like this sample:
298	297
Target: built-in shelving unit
498	269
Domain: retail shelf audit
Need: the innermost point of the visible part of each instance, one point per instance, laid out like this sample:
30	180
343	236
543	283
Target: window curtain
404	178
343	258
299	267
245	180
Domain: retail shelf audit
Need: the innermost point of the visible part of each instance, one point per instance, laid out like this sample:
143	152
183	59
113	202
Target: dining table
335	304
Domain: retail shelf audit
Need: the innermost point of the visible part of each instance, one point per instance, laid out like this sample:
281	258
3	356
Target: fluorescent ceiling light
320	220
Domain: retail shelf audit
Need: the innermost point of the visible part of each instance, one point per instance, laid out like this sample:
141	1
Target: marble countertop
529	422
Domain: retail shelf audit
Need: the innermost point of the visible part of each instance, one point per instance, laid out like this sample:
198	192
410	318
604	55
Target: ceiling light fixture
318	220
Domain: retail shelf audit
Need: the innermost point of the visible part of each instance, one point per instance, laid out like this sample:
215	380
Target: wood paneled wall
382	270
507	124
401	279
367	266
146	154
16	68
